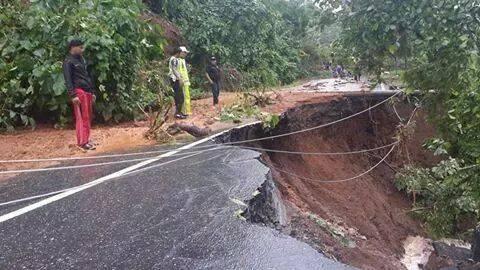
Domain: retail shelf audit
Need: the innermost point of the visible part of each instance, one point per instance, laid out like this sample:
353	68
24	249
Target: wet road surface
179	216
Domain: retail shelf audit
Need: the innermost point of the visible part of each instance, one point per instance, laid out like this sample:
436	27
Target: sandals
180	116
87	147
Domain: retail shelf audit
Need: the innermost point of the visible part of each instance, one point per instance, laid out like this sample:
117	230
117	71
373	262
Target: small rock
452	252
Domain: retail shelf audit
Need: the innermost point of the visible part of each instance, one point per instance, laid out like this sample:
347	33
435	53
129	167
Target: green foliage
259	41
270	121
33	41
198	93
239	111
445	194
436	44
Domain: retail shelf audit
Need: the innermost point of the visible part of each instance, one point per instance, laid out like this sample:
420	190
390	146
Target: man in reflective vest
185	81
176	81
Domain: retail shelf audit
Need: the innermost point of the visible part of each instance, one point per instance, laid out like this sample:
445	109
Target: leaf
59	86
392	48
29	90
39	52
30	22
25	119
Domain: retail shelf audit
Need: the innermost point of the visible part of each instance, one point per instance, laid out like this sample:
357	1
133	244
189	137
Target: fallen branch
190	129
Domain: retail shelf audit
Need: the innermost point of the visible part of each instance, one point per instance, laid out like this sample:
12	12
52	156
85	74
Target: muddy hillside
344	205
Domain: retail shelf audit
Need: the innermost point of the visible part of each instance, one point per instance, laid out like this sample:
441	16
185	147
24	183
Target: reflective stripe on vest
182	69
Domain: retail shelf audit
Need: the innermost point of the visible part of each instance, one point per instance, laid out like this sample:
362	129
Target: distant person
339	71
185	82
81	89
357	76
176	81
214	77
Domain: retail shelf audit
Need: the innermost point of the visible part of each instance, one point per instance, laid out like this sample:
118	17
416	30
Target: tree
260	39
33	39
438	44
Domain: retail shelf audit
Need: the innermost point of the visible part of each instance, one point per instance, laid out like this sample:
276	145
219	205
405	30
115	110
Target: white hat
183	49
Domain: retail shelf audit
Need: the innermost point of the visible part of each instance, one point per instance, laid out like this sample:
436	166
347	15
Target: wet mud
362	222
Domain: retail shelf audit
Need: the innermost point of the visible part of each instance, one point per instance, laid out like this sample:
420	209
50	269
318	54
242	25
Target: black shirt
213	72
76	75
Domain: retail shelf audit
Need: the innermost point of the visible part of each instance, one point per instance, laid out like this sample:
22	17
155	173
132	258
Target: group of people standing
180	82
81	87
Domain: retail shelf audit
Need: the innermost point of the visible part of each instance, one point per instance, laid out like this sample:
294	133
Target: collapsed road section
322	187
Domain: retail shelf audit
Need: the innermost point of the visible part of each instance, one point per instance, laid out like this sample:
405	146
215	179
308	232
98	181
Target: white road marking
65	194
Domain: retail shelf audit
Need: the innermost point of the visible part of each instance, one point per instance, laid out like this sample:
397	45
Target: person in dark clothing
81	89
214	77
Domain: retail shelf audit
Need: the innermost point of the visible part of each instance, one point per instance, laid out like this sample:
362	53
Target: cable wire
199	152
202	147
214	147
99	164
118	177
340	180
320	153
315	127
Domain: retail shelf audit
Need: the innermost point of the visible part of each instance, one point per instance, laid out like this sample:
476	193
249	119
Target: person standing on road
214	77
185	81
81	89
177	82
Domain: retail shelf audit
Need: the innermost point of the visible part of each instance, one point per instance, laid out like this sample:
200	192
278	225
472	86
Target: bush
445	195
257	41
33	41
437	43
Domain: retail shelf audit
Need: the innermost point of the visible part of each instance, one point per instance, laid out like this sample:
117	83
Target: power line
339	180
320	153
252	148
215	147
316	127
98	164
202	147
86	184
354	177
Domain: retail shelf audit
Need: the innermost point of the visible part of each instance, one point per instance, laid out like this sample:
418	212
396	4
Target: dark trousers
215	92
178	96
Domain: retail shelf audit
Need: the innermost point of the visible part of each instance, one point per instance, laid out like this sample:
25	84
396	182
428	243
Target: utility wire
99	164
354	177
118	177
194	154
215	147
199	152
339	180
320	153
207	146
316	127
87	157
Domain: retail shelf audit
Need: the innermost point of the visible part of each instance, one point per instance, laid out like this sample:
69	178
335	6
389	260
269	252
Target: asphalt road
179	216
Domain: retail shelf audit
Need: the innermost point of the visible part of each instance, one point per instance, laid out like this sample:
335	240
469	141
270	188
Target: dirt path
47	142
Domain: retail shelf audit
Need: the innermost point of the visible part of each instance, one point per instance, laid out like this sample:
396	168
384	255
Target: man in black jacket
214	78
80	88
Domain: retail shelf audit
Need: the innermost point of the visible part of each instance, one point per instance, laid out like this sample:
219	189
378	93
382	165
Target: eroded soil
362	222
